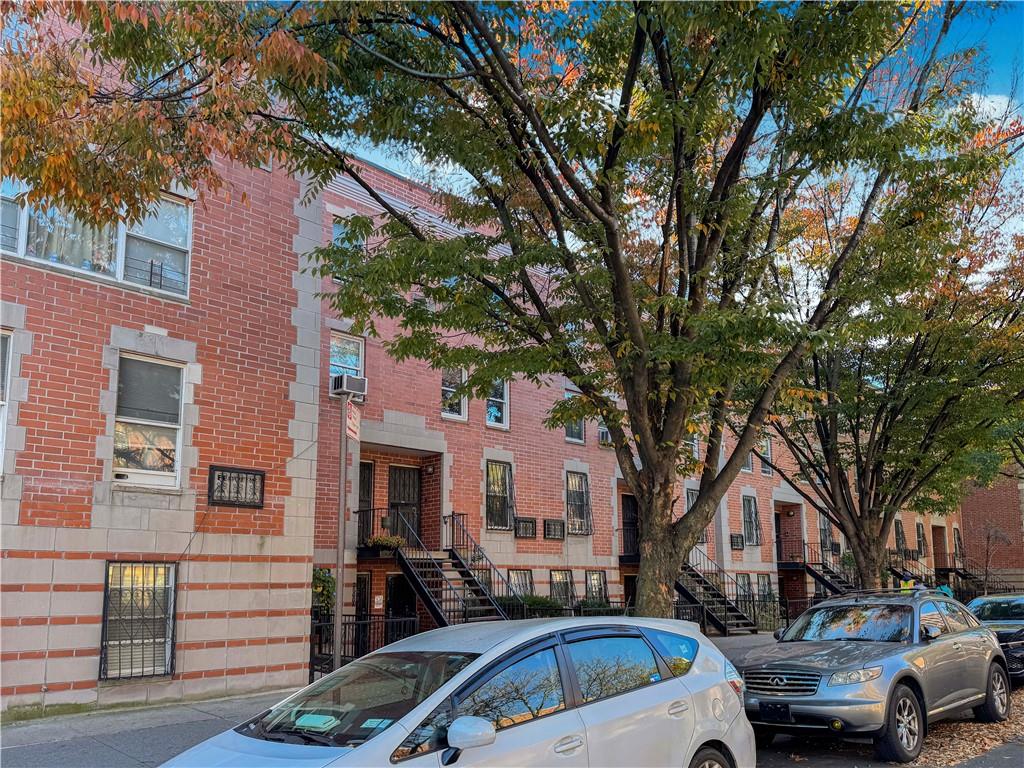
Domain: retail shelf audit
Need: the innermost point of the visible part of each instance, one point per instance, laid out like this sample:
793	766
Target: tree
918	389
621	176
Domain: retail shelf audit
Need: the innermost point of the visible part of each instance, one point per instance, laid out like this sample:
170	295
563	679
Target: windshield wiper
309	737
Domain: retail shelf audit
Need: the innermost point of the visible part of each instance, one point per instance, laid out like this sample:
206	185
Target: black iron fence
383	526
360	635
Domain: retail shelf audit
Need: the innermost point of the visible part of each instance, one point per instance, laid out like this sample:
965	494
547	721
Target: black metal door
399	603
630	526
365	484
362	604
629	589
404	498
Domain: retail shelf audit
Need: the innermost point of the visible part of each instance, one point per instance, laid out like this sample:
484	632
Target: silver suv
881	664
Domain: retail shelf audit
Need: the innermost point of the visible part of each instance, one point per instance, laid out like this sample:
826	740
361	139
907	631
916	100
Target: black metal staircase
704	582
967	577
822	565
905	566
486	582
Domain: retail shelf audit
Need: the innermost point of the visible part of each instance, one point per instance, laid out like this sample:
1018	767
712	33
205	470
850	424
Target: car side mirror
929	633
778	633
465	733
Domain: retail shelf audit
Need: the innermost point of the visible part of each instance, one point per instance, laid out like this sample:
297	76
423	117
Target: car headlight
855	676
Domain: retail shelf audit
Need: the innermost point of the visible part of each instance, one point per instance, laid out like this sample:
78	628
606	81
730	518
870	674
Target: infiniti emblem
777	680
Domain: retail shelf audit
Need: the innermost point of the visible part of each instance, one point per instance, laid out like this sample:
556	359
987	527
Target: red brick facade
994	525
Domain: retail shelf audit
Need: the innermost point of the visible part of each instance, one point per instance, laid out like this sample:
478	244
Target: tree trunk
659	560
869	556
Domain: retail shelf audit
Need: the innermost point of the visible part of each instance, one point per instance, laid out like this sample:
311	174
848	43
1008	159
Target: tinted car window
930	617
678	651
606	666
522	691
999	609
955	618
878	623
428	736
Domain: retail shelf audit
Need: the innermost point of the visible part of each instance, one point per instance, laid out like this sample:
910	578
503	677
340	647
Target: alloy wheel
999	693
907	724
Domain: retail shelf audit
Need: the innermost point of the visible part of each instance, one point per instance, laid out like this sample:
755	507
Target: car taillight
734	678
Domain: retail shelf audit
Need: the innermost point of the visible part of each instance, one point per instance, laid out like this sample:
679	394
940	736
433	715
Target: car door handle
677	708
568	745
957	646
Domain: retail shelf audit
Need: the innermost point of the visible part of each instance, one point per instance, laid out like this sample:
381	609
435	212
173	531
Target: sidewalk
124	738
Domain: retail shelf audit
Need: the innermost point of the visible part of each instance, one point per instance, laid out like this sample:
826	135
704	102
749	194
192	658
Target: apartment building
171	463
993	523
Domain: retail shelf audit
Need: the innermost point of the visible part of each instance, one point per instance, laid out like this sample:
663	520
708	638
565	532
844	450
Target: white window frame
755	522
463	413
121	233
362	359
6	374
748	462
506	411
604	435
569	394
766	452
694	441
147	477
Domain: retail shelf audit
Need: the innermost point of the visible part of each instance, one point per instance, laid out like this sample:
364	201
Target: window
764	586
338	230
346	355
147	426
561	587
521	580
825	537
766	452
525	690
577	503
958	543
608	666
751	522
922	542
604	435
744	586
678	651
955	618
597	587
748	462
500	501
154	253
901	538
691	499
694	441
138	626
453	405
575	431
497	404
5	373
930	617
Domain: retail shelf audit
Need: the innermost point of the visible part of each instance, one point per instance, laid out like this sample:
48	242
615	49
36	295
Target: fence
359	637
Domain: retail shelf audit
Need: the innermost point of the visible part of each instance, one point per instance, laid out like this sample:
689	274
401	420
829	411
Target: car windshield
1011	608
878	623
358	701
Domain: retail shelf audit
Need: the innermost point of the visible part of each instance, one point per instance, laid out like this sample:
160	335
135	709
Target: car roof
1005	596
481	636
910	596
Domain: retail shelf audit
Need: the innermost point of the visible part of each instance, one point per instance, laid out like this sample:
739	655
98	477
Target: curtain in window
922	542
60	238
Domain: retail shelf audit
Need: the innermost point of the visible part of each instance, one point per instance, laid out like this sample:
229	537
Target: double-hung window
577	503
922	542
5	373
751	522
575	431
147	427
901	537
138	621
561	587
825	534
691	499
521	580
500	498
597	587
346	355
748	462
497	404
604	435
154	253
453	405
765	592
766	454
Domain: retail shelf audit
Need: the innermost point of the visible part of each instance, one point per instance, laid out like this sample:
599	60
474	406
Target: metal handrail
471	554
415	549
721	581
902	561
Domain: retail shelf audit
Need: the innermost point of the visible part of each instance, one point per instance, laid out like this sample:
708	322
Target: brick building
994	526
171	463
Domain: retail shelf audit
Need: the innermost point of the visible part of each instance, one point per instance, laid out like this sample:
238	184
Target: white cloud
991	107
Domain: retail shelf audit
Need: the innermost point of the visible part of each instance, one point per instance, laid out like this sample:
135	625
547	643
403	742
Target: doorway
362	606
778	537
630	525
629	589
399	603
404	501
939	546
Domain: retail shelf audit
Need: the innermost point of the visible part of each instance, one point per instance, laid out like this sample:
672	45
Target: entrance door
778	537
399	603
362	604
404	499
629	589
630	526
942	559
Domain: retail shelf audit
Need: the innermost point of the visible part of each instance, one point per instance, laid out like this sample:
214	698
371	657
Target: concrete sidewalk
124	738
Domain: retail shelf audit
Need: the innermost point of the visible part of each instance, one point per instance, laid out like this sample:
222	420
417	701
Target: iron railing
496	588
155	274
402	520
360	636
138	621
969	577
906	561
630	540
428	572
719	592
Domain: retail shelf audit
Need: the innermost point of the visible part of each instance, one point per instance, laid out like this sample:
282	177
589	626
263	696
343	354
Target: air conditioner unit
345	384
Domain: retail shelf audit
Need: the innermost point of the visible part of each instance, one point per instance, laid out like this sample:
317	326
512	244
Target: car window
678	651
955	618
930	617
606	666
428	736
522	691
886	623
998	609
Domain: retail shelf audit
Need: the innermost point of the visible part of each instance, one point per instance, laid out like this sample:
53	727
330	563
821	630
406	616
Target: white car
577	692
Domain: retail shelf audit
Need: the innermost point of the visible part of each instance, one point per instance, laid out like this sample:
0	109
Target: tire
997	703
901	739
763	737
707	757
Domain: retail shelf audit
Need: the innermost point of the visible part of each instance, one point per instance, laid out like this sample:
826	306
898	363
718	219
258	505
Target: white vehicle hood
233	750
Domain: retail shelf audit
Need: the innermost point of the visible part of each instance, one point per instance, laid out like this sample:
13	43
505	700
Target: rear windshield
993	610
359	701
878	623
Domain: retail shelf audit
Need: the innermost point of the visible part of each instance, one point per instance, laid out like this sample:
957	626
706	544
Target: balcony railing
504	596
401	520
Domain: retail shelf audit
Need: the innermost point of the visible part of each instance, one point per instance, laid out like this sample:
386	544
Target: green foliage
323	589
385	541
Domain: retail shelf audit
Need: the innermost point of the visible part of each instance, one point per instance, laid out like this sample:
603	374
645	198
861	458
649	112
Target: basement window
138	621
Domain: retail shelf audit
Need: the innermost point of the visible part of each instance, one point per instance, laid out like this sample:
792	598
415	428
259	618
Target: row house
171	465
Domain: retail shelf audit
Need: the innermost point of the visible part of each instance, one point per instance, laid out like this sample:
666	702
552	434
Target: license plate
772	712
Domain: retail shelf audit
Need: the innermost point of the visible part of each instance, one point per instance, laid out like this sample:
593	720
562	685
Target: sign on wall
352	421
234	487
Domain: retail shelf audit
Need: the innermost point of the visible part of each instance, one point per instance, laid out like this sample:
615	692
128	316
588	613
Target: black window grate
500	496
577	503
234	487
526	527
138	621
751	522
562	589
554	529
736	541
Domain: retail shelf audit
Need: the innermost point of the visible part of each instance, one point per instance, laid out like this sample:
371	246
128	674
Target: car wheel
997	704
901	739
709	758
763	737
